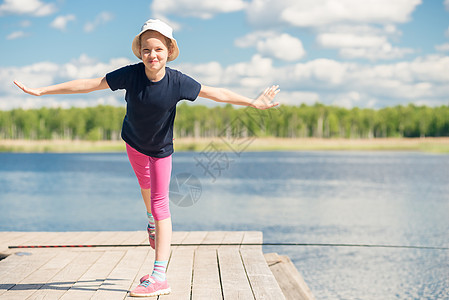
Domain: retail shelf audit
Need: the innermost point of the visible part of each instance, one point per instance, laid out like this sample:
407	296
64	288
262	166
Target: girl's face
154	50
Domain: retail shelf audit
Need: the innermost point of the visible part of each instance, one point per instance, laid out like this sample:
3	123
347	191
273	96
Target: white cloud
86	67
204	9
253	74
348	100
385	51
298	97
60	22
281	46
446	4
443	47
101	19
28	7
210	72
316	13
388	30
349	40
16	35
363	42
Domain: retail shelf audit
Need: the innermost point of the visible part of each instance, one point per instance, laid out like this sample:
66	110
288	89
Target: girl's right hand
34	92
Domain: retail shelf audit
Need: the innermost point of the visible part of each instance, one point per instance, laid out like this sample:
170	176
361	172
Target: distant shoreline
434	145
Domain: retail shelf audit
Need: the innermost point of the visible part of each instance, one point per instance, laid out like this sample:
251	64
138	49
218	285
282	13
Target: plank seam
193	272
219	274
247	276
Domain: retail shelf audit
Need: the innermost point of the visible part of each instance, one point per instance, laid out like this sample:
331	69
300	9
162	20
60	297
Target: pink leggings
153	173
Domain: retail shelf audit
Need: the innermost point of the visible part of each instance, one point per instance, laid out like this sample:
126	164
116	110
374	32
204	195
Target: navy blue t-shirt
151	106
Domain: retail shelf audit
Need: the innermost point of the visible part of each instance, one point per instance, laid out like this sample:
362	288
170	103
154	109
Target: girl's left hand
265	100
34	92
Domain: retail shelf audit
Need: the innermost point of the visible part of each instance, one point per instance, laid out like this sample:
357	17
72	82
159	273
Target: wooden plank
40	238
74	237
37	279
67	276
194	237
120	280
291	282
262	281
136	238
58	239
233	276
89	283
180	266
86	238
252	237
32	236
112	237
179	273
52	238
213	237
27	237
145	268
232	237
206	278
14	269
178	236
8	239
101	238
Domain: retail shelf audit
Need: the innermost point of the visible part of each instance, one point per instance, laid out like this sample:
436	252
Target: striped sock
159	270
151	225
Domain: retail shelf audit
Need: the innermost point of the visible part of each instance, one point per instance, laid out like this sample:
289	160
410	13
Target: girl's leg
160	170
151	228
159	181
141	166
163	239
146	196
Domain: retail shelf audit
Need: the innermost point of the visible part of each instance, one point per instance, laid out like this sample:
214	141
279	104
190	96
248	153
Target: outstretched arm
264	101
71	87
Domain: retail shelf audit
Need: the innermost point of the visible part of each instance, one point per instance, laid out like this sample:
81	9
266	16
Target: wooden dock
202	265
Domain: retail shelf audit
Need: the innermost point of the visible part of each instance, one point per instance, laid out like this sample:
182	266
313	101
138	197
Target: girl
152	92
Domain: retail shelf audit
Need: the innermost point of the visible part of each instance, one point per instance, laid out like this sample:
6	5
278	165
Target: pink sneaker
151	236
151	287
145	277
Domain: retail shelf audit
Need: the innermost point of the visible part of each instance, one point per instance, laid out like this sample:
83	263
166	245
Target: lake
375	198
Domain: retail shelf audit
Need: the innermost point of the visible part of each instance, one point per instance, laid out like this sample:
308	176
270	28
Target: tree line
320	121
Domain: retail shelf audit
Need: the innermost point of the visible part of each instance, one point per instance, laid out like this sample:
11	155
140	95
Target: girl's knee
160	208
144	184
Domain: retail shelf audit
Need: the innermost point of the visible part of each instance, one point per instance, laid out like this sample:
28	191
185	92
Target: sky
348	53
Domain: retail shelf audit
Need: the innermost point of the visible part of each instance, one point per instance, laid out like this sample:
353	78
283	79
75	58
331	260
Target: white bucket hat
162	28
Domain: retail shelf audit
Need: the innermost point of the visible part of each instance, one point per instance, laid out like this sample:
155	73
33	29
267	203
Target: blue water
387	198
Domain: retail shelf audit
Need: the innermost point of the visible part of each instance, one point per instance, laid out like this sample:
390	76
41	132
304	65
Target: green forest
320	121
